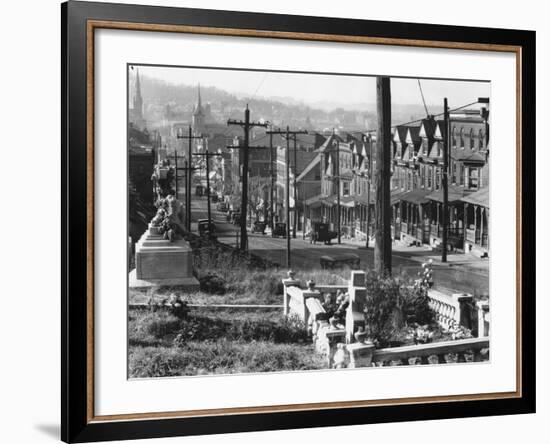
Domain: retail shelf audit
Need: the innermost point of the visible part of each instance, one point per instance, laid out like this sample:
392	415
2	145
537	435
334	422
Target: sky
321	90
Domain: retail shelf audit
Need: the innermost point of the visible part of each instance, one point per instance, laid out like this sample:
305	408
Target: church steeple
138	100
199	102
198	113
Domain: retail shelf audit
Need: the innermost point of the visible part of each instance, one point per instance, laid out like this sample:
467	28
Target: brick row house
342	166
417	194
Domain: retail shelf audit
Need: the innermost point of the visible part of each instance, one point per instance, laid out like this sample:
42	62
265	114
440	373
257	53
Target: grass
221	357
242	284
217	341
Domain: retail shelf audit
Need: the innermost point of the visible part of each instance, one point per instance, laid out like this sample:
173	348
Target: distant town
332	140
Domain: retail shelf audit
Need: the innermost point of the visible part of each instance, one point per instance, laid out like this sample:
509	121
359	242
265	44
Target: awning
480	197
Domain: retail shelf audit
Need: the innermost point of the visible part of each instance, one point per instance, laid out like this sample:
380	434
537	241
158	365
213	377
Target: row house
417	194
342	165
263	163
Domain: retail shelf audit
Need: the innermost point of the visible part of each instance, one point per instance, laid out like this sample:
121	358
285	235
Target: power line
434	115
422	95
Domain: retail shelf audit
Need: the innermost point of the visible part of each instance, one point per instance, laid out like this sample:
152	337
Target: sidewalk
422	254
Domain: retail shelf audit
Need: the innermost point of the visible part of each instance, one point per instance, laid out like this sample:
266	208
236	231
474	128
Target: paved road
452	277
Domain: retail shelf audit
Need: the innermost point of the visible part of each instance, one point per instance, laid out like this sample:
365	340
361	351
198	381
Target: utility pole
246	125
207	156
189	184
186	168
445	180
369	178
271	191
176	172
337	177
287	134
382	229
295	191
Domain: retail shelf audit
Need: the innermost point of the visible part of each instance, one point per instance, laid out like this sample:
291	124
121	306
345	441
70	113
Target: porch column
475	223
465	224
482	213
487	210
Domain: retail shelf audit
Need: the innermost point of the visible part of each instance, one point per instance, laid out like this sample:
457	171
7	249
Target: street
462	273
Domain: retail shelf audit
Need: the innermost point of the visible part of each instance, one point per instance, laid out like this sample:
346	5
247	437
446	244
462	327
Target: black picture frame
76	423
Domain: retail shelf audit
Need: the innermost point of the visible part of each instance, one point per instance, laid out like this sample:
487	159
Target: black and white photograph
285	221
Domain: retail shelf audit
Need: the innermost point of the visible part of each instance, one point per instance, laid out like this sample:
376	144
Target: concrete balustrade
345	347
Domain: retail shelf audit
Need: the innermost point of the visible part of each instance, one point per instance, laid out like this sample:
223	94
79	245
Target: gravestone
163	257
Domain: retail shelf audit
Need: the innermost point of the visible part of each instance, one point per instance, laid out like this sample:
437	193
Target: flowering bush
393	303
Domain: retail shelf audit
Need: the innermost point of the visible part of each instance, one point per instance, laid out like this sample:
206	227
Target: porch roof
480	197
396	196
456	193
417	196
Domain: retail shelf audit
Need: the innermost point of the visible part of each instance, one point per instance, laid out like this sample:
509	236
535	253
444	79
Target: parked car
258	227
320	233
206	226
341	260
279	230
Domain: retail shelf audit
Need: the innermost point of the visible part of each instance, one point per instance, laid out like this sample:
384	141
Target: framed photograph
275	221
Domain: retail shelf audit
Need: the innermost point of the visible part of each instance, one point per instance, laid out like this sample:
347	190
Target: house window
462	138
454	136
453	173
422	175
473	178
437	178
429	177
461	174
480	137
345	188
472	140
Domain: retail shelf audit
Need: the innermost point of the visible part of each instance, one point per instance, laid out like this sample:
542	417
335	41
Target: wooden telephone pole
369	176
272	159
287	134
246	125
187	168
207	157
445	181
189	183
382	228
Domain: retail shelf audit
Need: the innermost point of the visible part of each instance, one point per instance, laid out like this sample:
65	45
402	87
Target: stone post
482	318
465	306
360	354
288	282
306	294
357	299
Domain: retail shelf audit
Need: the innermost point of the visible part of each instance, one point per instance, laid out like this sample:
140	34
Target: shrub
391	304
212	283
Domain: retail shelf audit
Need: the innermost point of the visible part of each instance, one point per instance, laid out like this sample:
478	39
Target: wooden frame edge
96	24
